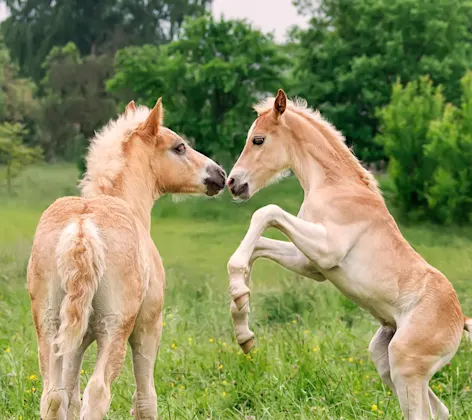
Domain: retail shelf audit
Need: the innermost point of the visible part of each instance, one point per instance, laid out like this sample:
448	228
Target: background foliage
68	66
215	71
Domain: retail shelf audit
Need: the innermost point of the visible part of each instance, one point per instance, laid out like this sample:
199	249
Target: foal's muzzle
215	181
238	189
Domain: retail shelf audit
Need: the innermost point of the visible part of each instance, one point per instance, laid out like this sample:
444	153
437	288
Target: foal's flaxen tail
80	256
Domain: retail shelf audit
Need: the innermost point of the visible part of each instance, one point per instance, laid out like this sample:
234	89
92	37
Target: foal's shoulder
347	204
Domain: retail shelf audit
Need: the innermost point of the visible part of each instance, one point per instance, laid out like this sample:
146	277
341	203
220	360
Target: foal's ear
154	119
280	103
130	109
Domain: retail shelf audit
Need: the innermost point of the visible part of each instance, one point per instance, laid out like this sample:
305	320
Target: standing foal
94	271
344	233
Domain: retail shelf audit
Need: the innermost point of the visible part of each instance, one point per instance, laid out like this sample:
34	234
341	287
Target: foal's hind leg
379	352
420	347
378	349
110	358
53	399
71	366
145	343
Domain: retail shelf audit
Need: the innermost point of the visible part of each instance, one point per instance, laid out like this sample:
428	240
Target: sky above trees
276	16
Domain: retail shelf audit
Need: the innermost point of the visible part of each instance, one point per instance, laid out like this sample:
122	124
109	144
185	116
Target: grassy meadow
311	360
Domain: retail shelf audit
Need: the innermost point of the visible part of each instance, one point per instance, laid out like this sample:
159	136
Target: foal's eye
180	149
258	140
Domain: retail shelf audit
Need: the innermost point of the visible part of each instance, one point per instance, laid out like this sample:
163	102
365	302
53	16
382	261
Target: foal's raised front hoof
248	345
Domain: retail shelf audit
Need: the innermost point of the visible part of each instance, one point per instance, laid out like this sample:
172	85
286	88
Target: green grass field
311	359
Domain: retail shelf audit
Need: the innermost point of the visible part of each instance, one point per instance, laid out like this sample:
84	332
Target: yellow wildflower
173	346
306	331
82	372
220	366
28	391
374	407
224	382
294	321
224	394
7	350
316	349
164	324
190	339
182	387
172	384
351	359
211	340
467	388
33	377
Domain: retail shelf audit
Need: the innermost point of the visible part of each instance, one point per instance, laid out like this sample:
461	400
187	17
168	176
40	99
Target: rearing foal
94	271
344	233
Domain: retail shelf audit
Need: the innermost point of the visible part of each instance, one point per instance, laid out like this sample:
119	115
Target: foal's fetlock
241	301
54	405
145	407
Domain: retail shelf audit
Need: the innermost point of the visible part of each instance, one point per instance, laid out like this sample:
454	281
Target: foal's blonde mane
342	153
106	156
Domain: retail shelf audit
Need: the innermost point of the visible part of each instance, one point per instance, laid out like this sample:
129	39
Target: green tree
405	123
75	101
14	155
354	50
17	103
209	78
95	27
450	147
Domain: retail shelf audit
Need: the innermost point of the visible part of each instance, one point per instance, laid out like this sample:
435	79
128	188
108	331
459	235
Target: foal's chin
242	198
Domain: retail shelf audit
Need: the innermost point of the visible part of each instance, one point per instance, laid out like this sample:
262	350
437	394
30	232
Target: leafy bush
404	134
450	195
430	150
353	50
14	155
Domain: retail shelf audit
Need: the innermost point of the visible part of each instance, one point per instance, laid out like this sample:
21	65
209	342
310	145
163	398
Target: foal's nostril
230	182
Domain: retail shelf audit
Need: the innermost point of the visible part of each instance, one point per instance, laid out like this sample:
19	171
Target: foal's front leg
287	255
310	239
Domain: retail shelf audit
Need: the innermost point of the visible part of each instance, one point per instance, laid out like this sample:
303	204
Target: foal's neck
141	200
318	158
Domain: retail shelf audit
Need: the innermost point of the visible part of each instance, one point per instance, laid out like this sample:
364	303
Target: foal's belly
374	296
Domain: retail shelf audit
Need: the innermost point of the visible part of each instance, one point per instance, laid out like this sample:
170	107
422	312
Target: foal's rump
80	256
87	262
